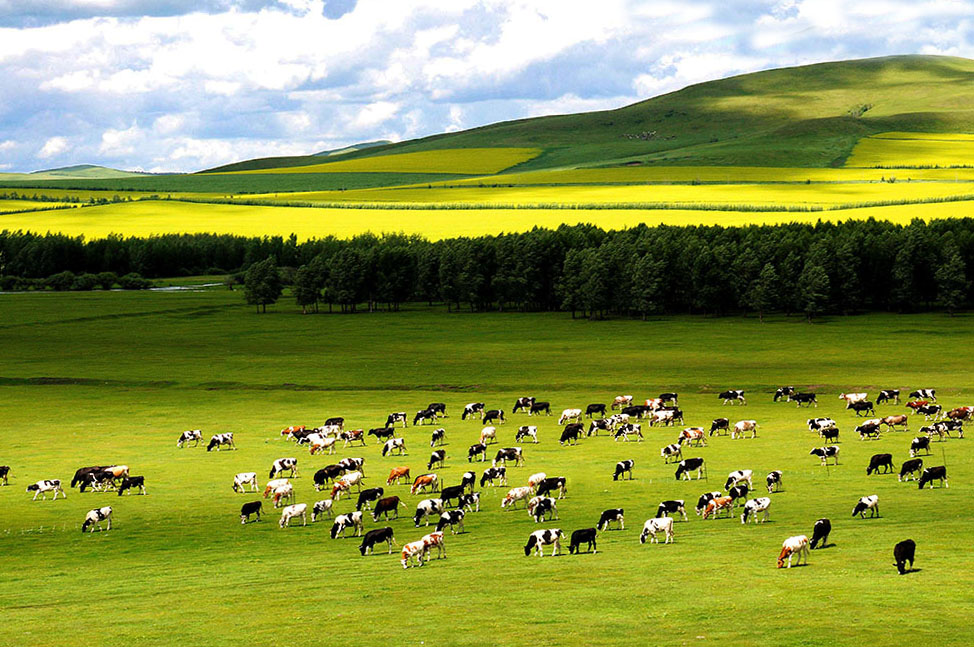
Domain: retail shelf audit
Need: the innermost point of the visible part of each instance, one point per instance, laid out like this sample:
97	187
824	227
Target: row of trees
795	268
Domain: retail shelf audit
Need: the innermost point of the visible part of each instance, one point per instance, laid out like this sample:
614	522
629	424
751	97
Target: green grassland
114	377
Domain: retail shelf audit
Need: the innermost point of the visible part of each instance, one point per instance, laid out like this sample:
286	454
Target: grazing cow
541	538
451	492
535	479
719	425
45	486
870	502
396	416
479	449
492	474
345	521
4	473
320	509
99	481
918	443
427	508
131	482
574	415
808	399
282	464
516	494
931	474
394	444
439	408
523	403
623	468
910	467
829	434
654	526
367	496
273	485
471	409
904	552
434	540
82	475
732	396
438	436
327	473
880	460
688	465
412	551
852	398
739	476
195	435
423	482
621	401
488	435
755	506
774	481
540	506
636	411
930	411
95	517
862	407
301	435
929	394
666	417
612	515
820	532
583	536
552	484
437	457
423	416
345	483
783	392
452	518
671	507
673	451
540	407
704	499
385	506
219	440
320	443
916	404
469	502
603	424
869	429
396	474
888	395
653	404
283	493
525	431
352	436
593	409
381	433
818	424
738	493
247	509
571	433
377	536
508	454
791	546
692	435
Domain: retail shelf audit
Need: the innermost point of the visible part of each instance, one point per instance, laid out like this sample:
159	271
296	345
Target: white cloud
52	147
374	114
7	145
118	143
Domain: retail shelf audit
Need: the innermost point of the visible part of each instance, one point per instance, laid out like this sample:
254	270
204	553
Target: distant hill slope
81	172
351	149
808	116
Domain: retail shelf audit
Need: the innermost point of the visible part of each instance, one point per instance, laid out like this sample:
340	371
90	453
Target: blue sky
180	85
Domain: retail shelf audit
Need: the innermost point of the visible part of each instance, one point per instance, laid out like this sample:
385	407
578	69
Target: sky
182	85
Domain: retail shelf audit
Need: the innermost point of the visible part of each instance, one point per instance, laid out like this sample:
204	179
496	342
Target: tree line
809	269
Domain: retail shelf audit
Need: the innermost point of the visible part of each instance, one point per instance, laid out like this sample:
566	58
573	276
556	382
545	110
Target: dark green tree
306	291
647	284
762	291
262	284
950	277
814	286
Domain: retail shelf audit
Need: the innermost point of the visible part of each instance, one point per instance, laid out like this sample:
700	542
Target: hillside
80	171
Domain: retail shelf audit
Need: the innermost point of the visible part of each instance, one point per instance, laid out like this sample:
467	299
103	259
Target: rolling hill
80	171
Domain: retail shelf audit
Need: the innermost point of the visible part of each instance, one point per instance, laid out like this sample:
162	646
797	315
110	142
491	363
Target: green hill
80	171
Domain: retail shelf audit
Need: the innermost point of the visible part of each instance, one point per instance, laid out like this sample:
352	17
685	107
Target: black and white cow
541	506
783	392
95	517
397	445
247	509
825	453
468	480
492	415
820	533
808	399
508	454
131	482
888	395
754	507
492	474
438	436
539	408
738	494
602	424
571	433
870	502
472	409
452	518
671	507
437	457
541	538
452	492
554	484
774	481
321	508
909	468
469	502
367	496
931	474
381	433
219	440
427	508
880	460
930	411
45	486
385	506
479	449
732	396
595	408
740	476
193	435
818	424
719	425
925	394
862	407
394	417
904	552
377	536
4	474
524	431
623	468
336	421
670	396
704	499
689	465
612	515
869	429
282	464
345	521
423	416
522	404
673	451
583	536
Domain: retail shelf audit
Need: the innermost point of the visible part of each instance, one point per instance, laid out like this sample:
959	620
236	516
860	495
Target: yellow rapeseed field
23	205
913	149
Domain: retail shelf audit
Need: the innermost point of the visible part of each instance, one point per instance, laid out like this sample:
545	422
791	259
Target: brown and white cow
897	421
397	473
742	427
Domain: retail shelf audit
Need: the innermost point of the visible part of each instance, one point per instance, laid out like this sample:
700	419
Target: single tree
262	284
306	291
761	294
814	284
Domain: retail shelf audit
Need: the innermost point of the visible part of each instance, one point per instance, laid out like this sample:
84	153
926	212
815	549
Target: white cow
739	476
292	511
488	433
95	517
321	508
516	494
755	506
243	479
570	415
412	551
271	486
45	486
851	398
655	525
621	401
535	479
742	427
322	443
797	544
870	502
283	493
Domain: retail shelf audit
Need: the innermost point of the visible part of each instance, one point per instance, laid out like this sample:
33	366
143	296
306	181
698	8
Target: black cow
830	434
385	506
439	408
584	536
247	509
888	395
471	409
4	473
424	416
868	431
616	515
926	394
81	476
492	474
732	395
452	492
825	453
688	465
571	433
592	409
437	457
622	468
783	392
553	483
540	407
938	473
912	466
479	449
718	425
494	414
673	506
862	407
522	403
382	433
337	421
880	460
670	397
438	436
820	533
327	473
368	496
807	399
636	411
374	537
904	552
132	482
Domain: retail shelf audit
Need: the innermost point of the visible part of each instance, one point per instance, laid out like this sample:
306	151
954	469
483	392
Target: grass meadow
914	149
114	377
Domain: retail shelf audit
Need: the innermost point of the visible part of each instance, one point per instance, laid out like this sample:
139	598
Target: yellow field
160	217
463	161
913	149
23	205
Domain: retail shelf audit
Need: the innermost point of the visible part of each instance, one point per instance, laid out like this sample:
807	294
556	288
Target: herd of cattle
622	420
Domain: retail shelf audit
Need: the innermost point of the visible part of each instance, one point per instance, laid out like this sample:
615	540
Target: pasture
896	149
114	377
